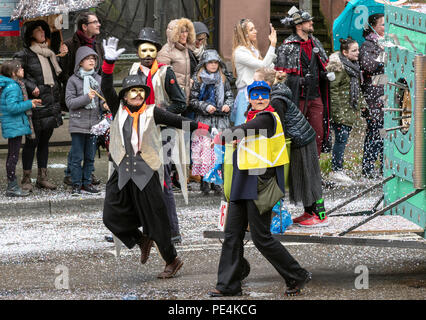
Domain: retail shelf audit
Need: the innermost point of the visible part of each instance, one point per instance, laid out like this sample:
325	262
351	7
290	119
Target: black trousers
230	268
13	148
169	199
41	142
128	209
373	147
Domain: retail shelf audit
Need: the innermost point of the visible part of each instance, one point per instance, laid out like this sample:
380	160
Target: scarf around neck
353	70
84	40
89	83
212	79
198	52
154	68
252	113
44	54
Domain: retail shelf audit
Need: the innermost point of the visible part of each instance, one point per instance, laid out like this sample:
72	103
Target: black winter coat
368	54
295	125
68	62
48	116
288	60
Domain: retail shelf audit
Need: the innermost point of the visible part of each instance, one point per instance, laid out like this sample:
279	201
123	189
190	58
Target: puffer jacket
368	53
176	55
14	121
296	127
341	110
49	115
82	119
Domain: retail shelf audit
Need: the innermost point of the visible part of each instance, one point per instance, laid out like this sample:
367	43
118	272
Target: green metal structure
405	116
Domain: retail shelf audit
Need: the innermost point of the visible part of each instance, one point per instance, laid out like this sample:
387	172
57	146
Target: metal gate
123	19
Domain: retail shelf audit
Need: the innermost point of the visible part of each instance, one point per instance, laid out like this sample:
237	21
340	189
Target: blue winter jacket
14	121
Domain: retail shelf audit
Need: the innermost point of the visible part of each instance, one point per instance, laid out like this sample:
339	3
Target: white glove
214	132
110	49
331	76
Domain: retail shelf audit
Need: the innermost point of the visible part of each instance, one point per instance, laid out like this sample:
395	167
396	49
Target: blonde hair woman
246	59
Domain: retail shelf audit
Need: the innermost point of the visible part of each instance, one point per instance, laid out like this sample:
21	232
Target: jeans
373	147
83	149
341	134
67	171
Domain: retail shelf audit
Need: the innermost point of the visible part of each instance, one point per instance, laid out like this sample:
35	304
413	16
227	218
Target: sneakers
314	222
303	217
95	181
76	190
90	189
341	178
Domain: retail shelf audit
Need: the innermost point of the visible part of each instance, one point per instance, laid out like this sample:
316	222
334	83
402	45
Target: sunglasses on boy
259	93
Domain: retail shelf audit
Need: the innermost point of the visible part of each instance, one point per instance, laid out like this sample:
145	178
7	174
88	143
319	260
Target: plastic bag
281	220
228	170
215	175
100	128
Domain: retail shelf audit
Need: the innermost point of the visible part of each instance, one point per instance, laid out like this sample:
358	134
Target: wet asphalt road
65	256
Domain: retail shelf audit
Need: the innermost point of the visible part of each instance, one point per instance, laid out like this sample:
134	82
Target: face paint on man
147	53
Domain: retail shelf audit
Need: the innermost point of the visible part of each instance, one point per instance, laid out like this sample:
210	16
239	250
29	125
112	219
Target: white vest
158	81
149	134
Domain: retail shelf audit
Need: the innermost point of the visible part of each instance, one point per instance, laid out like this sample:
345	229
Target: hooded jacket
68	61
14	121
49	115
368	54
176	55
342	112
218	119
82	119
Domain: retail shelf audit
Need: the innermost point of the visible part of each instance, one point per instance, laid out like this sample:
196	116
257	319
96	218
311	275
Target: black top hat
148	35
133	81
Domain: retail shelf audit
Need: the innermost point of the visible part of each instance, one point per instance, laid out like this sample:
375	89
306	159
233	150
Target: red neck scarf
89	42
252	113
307	47
154	68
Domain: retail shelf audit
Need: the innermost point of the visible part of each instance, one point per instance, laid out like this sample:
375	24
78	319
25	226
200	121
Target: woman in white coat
246	59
